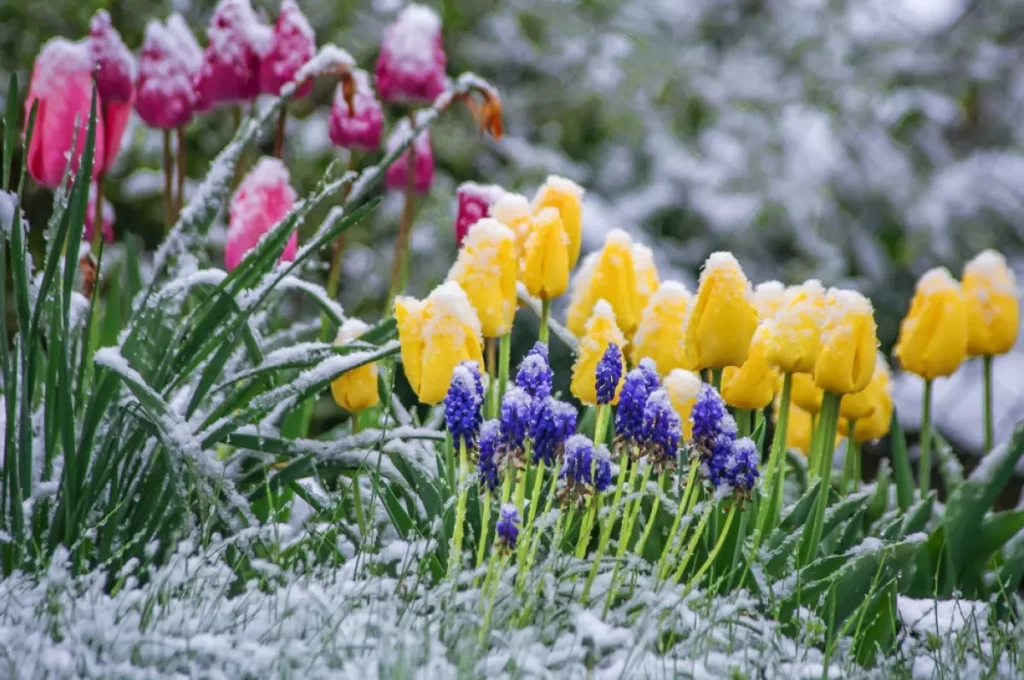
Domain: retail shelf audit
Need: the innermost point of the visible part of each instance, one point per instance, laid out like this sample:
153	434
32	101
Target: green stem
695	579
536	535
827	421
606	530
400	261
737	550
485	527
776	478
545	313
743	422
525	540
168	183
852	454
504	358
925	469
491	399
357	503
684	501
692	545
633	511
716	379
180	168
490	604
455	556
642	543
986	363
587	525
600	428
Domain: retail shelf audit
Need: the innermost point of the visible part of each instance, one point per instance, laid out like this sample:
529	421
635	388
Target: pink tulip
90	218
231	63
170	59
292	44
395	177
411	66
475	201
362	127
262	200
115	83
62	84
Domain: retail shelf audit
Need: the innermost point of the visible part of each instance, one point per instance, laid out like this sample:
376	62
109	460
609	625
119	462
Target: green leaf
917	518
901	463
880	500
10	130
996	530
950	468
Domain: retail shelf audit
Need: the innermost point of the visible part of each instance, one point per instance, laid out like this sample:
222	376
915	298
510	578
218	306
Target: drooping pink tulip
115	82
262	200
411	66
62	84
362	127
90	217
292	44
474	203
423	161
238	39
170	60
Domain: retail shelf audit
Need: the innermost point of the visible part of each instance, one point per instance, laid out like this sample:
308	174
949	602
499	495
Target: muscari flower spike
535	375
514	419
608	374
553	422
741	467
487	465
662	430
710	417
462	404
584	469
636	388
508	526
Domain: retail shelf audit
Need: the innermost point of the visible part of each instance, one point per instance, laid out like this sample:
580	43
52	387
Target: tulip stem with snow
399	265
180	166
692	545
823	448
545	314
168	182
925	469
695	579
776	478
986	373
850	462
485	520
455	556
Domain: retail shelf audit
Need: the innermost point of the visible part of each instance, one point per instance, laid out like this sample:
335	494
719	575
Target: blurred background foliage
857	141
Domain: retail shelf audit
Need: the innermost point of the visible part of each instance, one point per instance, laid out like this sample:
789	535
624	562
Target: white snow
410	40
329	60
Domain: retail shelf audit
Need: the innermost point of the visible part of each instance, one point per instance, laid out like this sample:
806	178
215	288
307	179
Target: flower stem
925	469
986	372
168	183
743	422
491	399
485	527
695	579
504	358
97	230
545	313
684	502
776	477
825	440
692	545
850	465
399	265
455	556
600	428
180	166
536	535
642	543
490	602
587	525
716	379
606	530
282	118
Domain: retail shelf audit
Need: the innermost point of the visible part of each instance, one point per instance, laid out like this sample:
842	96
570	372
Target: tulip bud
90	218
474	202
846	357
486	270
861	405
993	309
722	319
262	200
601	331
544	265
436	335
768	298
423	160
62	84
411	66
355	390
115	78
566	197
292	44
752	385
660	333
876	425
607	275
933	336
231	63
514	211
683	387
794	329
169	62
362	126
805	394
647	279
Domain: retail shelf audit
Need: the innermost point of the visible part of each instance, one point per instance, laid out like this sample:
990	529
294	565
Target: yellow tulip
933	336
722	319
514	211
876	425
752	385
768	298
799	430
544	266
566	197
993	308
849	342
660	333
607	275
436	335
647	279
355	390
805	394
860	405
683	387
601	331
795	329
486	270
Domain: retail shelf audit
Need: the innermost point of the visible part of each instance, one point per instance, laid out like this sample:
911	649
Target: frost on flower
990	266
292	45
768	298
453	318
169	62
115	79
328	60
262	200
351	329
412	62
237	41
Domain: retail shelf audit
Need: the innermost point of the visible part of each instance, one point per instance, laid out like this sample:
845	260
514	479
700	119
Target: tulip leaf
10	130
880	500
901	463
996	530
950	468
917	517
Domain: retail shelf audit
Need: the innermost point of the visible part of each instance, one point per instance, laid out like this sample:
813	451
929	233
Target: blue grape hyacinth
629	415
741	467
508	526
514	419
584	469
608	374
488	464
662	431
710	417
463	404
552	423
535	375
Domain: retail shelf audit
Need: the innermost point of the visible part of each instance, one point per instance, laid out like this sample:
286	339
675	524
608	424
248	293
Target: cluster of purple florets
585	469
507	526
725	459
463	404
